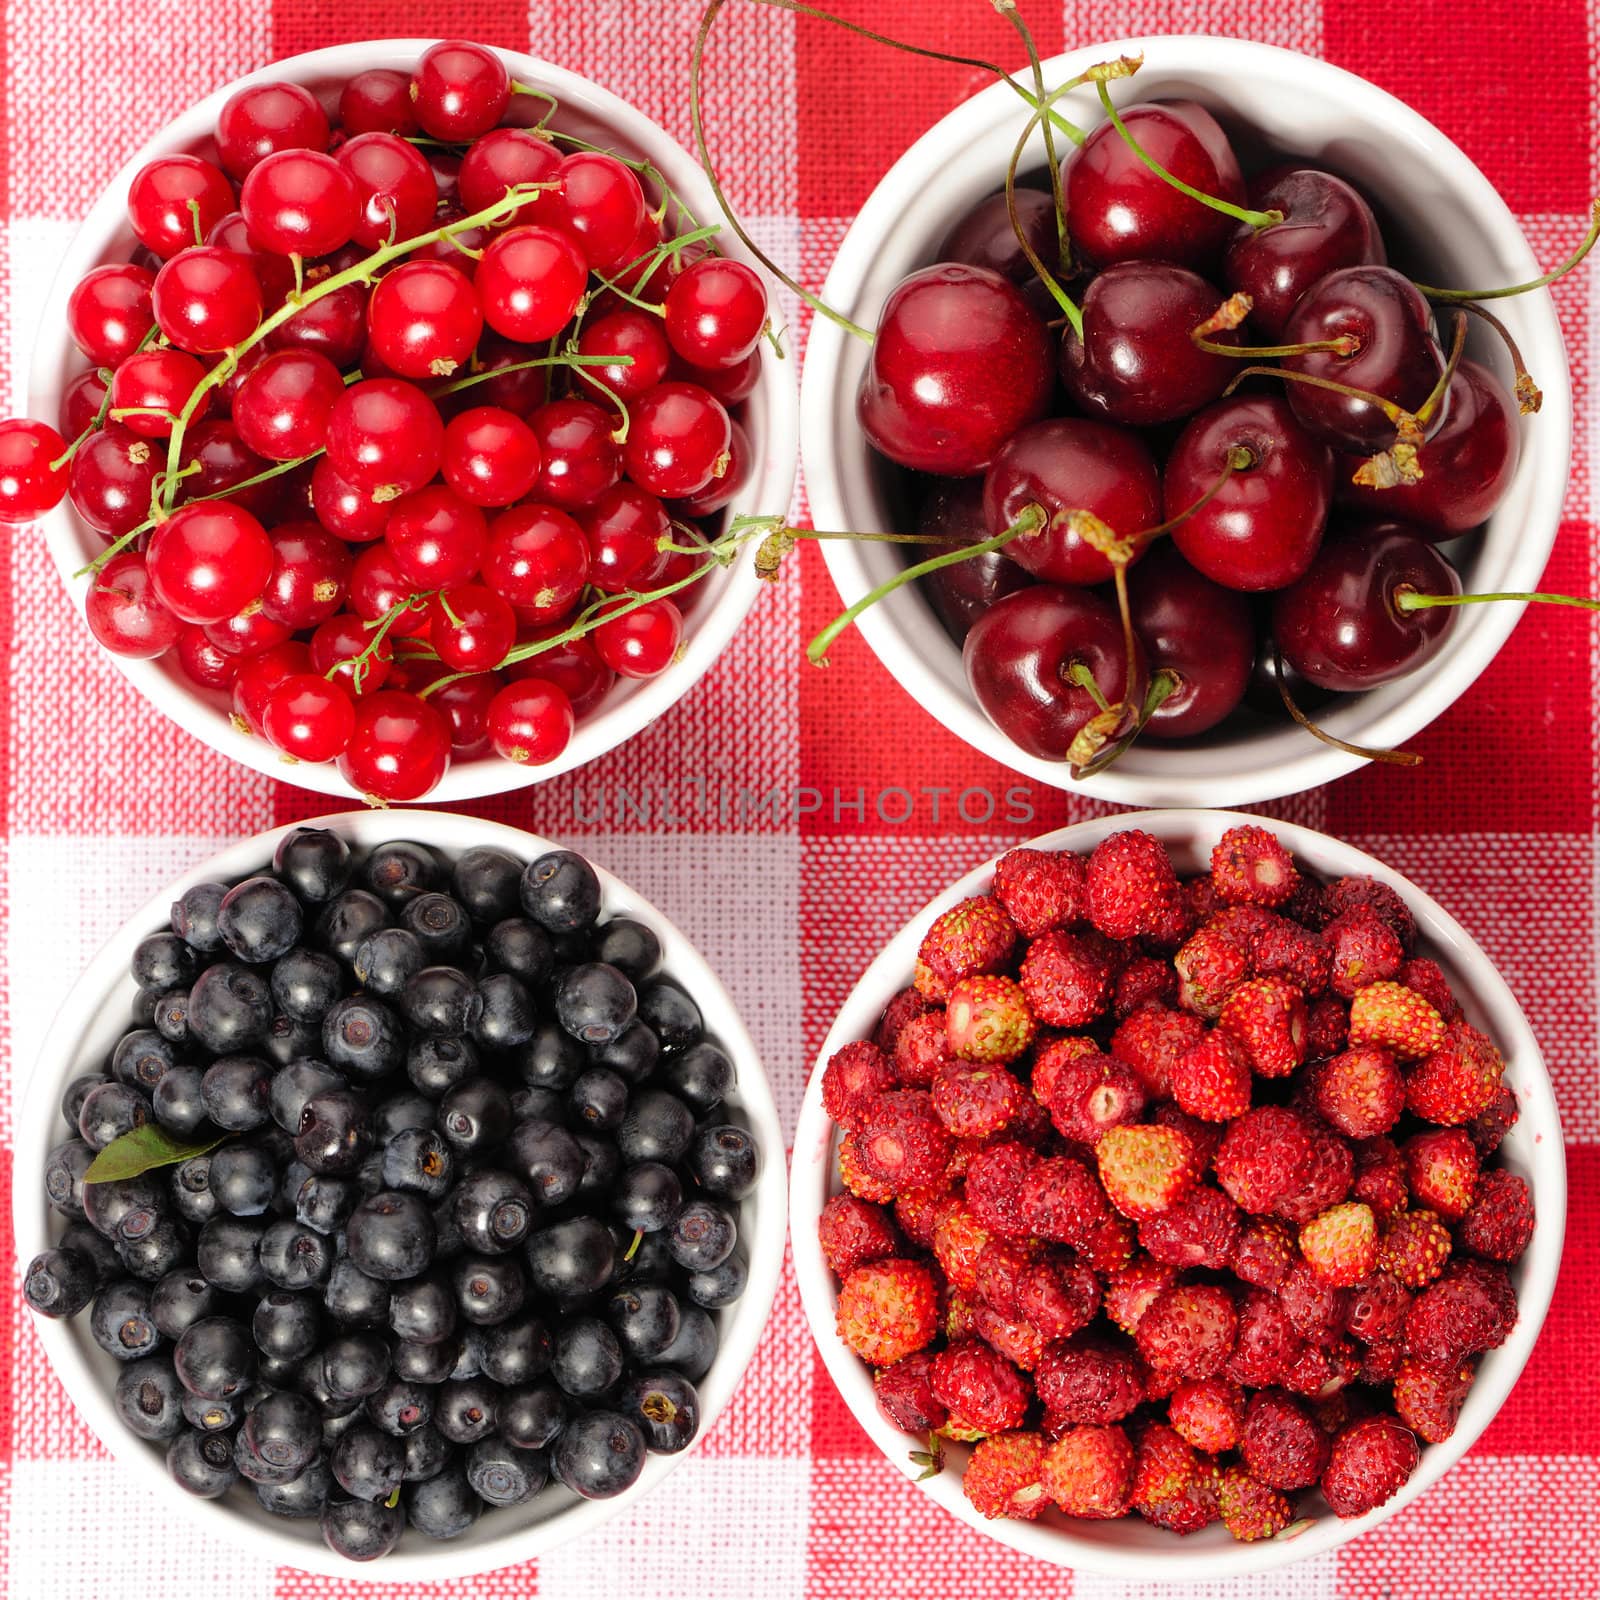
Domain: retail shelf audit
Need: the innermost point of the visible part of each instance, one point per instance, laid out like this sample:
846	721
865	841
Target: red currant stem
647	170
360	664
1254	219
1008	9
1164	684
1393	412
432	144
445	606
143	411
619	434
1544	282
537	94
1031	520
662	251
697	118
1409	600
1085	680
1393	758
1041	271
457	384
1530	397
464	249
298	263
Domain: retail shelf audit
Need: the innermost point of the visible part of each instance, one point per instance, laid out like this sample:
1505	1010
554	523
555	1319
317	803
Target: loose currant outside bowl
89	1023
770	416
1439	211
1130	1548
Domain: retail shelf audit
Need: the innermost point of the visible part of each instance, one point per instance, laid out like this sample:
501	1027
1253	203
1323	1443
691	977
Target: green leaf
141	1149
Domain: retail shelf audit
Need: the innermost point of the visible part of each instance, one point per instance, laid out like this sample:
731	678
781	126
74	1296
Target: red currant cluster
401	426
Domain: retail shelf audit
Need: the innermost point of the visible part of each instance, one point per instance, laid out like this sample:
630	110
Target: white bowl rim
38	1128
812	1168
721	612
1546	447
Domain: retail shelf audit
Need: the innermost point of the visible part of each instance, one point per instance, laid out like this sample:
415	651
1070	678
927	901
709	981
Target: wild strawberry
1305	905
1284	949
887	1309
996	1188
1017	1340
1088	1472
1106	1244
1066	978
1453	1319
1362	949
986	1019
1429	1399
1413	1246
1144	1168
1131	1290
1001	1264
1395	1018
1314	1307
1189	1330
1244	924
1370	1461
1089	1380
1428	979
1208	1413
1360	1092
1172	1487
1490	1127
1151	1041
1320	1371
921	1049
1210	966
1251	1510
1492	1280
1093	1094
1204	1136
1266	1345
920	1214
1249	867
901	1141
1281	1443
1199	1229
1457	1082
958	1241
1382	1360
1375	1311
852	1079
1264	1253
1211	1080
855	1176
975	1101
1061	1200
852	1230
1327	1028
1266	1018
1499	1223
1201	898
1145	981
969	940
1039	889
960	1319
1379	1178
1002	1478
1131	887
981	1389
1060	1298
1441	1171
1264	1156
1341	1244
1050	1057
905	1394
1344	893
903	1008
1327	1179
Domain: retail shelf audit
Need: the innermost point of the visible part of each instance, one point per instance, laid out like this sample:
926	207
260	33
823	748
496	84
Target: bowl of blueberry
1178	1200
395	404
1232	423
399	1187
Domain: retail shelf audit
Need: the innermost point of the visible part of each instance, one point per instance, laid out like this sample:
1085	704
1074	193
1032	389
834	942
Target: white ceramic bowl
96	1013
770	416
1441	210
1132	1549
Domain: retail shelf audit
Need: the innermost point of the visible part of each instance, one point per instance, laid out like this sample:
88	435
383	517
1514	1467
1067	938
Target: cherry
395	191
310	574
258	676
108	312
1198	632
208	560
715	312
206	300
378	587
538	559
601	205
1326	225
284	404
30	482
1264	693
81	401
263	118
465	706
1020	656
308	717
436	538
491	456
124	614
985	237
574	666
529	282
339	643
624	333
334	326
248	632
300	202
385	434
459	91
343	509
423	319
959	363
501	160
641	643
1261	529
678	439
273	273
111	478
1340	626
1467	466
580	457
175	201
1136	361
729	384
952	515
624	528
377	101
530	721
151	387
1119	210
201	661
721	490
1398	357
1066	465
471	627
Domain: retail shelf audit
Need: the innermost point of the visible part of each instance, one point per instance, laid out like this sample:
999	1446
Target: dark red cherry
1137	362
1202	634
1467	466
1262	527
1340	626
960	362
1119	210
1019	658
1326	225
1068	464
952	515
984	237
1263	693
1398	358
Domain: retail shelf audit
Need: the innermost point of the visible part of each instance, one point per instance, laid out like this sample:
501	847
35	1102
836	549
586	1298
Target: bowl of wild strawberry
1255	415
394	400
1179	1200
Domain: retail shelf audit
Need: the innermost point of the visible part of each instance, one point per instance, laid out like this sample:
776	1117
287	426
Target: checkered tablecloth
102	800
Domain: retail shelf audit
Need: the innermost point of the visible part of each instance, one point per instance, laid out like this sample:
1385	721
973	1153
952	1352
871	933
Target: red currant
343	509
574	666
715	312
394	188
334	326
626	333
436	538
339	647
465	704
263	118
491	456
274	273
502	159
300	202
459	90
283	407
307	717
538	560
600	204
208	560
678	438
310	574
530	722
729	384
519	391
642	642
721	490
248	632
581	458
385	434
124	614
202	662
109	314
529	282
30	482
472	627
377	101
624	528
151	387
259	675
423	319
399	749
175	201
378	587
81	401
111	478
206	300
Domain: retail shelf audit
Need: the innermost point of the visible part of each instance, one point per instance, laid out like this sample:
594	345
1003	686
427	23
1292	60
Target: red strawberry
901	1141
1002	1478
1172	1487
1321	1371
1341	1244
1250	1510
1344	893
1201	897
1459	1080
1375	1311
1059	1200
958	1241
1088	1472
1266	1346
1050	1057
1413	1246
987	1019
1281	1443
983	1392
1314	1307
1442	1171
1492	1280
1204	1136
1455	1318
1152	1040
1370	1461
1108	1243
1039	889
852	1079
1362	949
903	1008
1244	924
1001	1264
1265	1252
1249	867
1059	1297
1429	1399
976	1101
969	940
1208	1413
1360	1092
1088	1380
1210	966
1144	1168
855	1176
1490	1127
1327	1028
887	1309
1145	981
1066	978
1018	1341
921	1049
1327	1179
1395	1018
1284	949
1189	1330
852	1231
905	1394
1264	1156
1382	1361
1211	1080
1092	1094
1428	979
1380	1176
1199	1229
997	1188
1499	1223
1131	887
1266	1018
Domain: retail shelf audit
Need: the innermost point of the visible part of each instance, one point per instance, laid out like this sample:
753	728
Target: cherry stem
1407	600
1393	758
537	94
1233	311
1008	9
1394	413
1085	680
1543	282
1068	305
1162	686
1530	397
1254	219
1424	412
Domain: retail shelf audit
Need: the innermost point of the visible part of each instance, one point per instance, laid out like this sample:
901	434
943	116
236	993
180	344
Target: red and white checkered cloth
103	800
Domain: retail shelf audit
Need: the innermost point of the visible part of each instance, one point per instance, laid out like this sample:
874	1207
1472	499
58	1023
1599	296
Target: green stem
1408	600
1542	282
539	94
1008	9
455	385
1069	307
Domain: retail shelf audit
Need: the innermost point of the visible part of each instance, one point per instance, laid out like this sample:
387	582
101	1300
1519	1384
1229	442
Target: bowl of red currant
1202	376
394	401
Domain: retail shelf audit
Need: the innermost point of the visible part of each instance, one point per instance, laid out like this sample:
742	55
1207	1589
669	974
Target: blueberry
120	1321
664	1407
548	1159
401	1407
487	883
405	1108
178	1103
530	1418
571	1258
162	961
419	1161
180	1299
645	1318
441	925
474	1116
488	1289
230	1008
243	1177
598	1101
64	1168
493	1211
391	1236
335	1132
212	1416
441	1001
295	1084
153	1254
658	1127
110	1110
286	1325
502	1474
401	870
171	1016
122	1206
435	1066
361	1530
444	1505
465	1411
595	1002
647	1197
599	1455
431	1363
702	1236
695	1348
190	1189
363	1037
234	1091
702	1076
515	1352
665	1007
427	1453
720	1286
143	1008
249	1465
367	1462
521	948
632	1055
260	920
629	946
325	1203
229	1253
724	1162
508	1015
194	916
288	1040
202	1463
346	921
73	1096
352	1298
537	1105
285	1430
561	892
294	1256
59	1283
141	1059
99	1253
469	1357
303	1496
215	1358
424	1310
641	1257
602	1165
354	1365
586	1357
387	959
305	983
552	1059
314	862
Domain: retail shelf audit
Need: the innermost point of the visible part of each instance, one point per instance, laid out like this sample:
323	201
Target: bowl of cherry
393	400
1265	409
403	1285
